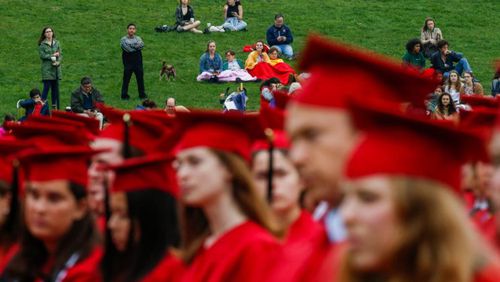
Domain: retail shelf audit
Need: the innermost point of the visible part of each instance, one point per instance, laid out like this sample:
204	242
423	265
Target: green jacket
50	72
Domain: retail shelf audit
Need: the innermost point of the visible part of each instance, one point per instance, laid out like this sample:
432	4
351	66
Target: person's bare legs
192	27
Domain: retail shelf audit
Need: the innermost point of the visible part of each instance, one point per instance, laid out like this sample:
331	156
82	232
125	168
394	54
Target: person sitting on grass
445	109
471	87
443	60
210	64
84	100
233	69
233	18
414	55
185	21
34	105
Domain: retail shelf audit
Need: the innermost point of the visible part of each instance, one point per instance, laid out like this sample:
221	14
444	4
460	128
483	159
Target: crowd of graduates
351	183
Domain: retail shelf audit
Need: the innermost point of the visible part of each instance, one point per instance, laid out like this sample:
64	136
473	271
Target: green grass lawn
90	31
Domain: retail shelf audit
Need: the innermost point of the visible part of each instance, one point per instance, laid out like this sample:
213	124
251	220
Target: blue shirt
87	102
210	65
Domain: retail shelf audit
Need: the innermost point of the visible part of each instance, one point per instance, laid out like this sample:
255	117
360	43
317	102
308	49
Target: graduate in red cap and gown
321	131
10	221
494	148
226	228
59	240
279	182
477	195
143	225
402	208
137	135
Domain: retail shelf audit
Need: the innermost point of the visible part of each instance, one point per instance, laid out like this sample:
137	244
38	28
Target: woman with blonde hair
403	215
226	228
453	86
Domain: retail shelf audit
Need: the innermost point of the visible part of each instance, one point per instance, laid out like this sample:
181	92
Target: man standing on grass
132	45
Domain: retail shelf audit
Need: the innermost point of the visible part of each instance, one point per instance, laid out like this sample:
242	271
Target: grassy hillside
90	30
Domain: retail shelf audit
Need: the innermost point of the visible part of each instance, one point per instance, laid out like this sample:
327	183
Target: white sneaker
209	24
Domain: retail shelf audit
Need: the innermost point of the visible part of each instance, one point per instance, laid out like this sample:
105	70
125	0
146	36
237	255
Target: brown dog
168	72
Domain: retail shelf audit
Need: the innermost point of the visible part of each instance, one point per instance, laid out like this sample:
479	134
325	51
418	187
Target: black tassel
270	138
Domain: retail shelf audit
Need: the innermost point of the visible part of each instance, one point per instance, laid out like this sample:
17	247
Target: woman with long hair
445	108
10	209
287	187
453	86
142	227
49	50
402	210
59	241
429	36
226	228
210	63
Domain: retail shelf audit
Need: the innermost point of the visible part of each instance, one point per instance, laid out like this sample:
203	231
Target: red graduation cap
149	172
339	71
77	125
480	101
281	99
272	120
480	120
48	134
8	151
56	163
145	132
91	124
231	131
398	144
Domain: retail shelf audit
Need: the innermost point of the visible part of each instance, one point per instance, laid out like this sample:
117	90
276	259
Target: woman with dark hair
445	108
184	16
414	55
59	241
429	36
210	63
51	56
470	87
9	200
233	18
143	225
225	226
404	217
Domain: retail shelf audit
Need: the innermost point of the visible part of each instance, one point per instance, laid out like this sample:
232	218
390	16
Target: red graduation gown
491	273
86	270
6	256
303	230
306	255
245	253
169	269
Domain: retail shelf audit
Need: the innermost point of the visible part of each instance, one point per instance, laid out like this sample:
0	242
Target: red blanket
265	71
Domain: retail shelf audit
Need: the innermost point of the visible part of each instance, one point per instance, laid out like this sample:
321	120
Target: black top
231	9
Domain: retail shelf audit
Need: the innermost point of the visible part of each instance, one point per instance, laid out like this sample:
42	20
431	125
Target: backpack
236	101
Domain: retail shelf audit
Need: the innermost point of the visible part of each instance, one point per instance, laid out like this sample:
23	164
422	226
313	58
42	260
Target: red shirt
307	253
245	253
6	256
86	270
169	269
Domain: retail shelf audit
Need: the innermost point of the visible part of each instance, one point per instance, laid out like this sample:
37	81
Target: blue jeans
285	49
233	24
460	67
54	97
